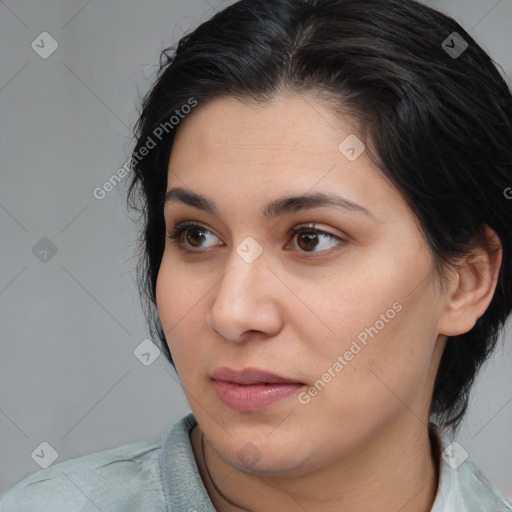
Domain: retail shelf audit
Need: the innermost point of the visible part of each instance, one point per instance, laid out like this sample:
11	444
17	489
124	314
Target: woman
327	257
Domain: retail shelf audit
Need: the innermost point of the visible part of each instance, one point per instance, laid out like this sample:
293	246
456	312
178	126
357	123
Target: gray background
69	326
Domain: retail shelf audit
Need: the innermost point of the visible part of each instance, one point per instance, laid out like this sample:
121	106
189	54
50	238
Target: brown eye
312	240
190	237
195	236
307	240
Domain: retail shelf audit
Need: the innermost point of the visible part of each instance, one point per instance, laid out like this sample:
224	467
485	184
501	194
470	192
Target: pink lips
251	389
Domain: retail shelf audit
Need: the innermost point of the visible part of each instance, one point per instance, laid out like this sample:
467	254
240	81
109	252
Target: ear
472	285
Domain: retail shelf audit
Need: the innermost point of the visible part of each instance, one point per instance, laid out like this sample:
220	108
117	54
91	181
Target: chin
259	458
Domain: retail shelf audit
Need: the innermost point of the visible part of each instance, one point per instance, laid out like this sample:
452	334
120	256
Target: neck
398	471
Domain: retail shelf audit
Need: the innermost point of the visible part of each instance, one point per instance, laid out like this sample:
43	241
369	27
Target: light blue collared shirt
161	475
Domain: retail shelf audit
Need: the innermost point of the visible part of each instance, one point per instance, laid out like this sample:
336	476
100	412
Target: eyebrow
277	208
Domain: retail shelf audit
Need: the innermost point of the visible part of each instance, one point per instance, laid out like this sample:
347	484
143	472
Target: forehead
288	146
287	124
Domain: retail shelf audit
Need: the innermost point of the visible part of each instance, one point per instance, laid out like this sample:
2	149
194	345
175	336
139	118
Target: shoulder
471	491
462	485
124	478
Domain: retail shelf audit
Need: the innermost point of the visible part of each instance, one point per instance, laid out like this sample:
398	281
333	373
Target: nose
246	303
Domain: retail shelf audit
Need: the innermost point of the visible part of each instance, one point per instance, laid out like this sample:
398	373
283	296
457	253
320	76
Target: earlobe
473	285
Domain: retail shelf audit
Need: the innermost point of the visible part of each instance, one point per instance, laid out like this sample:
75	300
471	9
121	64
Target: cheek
337	313
179	304
384	364
380	340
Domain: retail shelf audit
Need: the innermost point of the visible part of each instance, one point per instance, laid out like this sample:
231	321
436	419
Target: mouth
251	389
250	376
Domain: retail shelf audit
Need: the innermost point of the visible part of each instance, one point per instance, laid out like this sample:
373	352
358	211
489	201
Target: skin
362	441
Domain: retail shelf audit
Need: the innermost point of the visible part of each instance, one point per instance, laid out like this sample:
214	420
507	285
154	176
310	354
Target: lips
250	376
251	390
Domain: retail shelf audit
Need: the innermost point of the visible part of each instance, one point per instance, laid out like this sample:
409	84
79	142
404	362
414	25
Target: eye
194	235
309	239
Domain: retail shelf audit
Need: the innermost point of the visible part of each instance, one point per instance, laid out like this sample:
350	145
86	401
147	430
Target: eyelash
176	236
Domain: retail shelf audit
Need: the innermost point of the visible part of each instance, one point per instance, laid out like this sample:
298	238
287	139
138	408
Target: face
340	298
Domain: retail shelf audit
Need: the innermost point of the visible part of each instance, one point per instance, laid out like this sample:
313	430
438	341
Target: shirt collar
462	485
183	487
